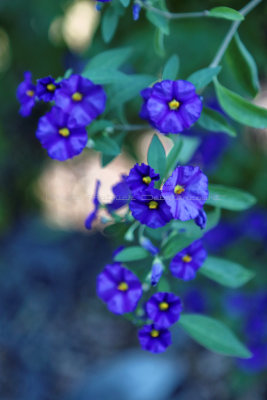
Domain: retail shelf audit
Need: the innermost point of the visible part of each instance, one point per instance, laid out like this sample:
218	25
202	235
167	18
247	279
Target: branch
222	49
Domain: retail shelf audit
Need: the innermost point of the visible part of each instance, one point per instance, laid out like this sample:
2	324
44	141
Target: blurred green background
57	341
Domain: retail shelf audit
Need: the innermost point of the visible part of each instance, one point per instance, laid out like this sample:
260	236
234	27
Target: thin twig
227	39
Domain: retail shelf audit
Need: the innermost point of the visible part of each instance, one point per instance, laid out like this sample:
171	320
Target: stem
169	15
244	11
198	14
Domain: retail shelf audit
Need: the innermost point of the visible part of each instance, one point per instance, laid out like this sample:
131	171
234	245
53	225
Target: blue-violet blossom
46	88
26	94
119	288
185	192
61	135
141	177
164	309
154	339
186	263
171	106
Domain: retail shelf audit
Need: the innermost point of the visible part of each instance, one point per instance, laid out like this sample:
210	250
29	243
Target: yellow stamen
154	333
178	189
187	258
123	287
146	180
163	306
153	205
77	96
30	93
174	104
51	87
64	132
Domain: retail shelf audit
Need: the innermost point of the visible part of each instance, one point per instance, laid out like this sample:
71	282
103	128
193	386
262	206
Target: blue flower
141	177
150	209
136	11
185	192
46	88
186	263
26	94
201	219
119	288
61	135
171	106
164	309
82	98
122	195
156	272
154	339
148	245
93	215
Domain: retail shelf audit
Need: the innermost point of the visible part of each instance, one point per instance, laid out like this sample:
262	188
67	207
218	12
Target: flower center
178	189
123	287
146	180
77	96
154	333
30	93
174	104
51	87
187	258
153	205
64	132
163	306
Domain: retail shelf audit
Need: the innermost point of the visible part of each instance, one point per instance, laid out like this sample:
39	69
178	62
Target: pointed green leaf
159	21
225	272
110	59
226	13
173	157
213	335
156	156
171	68
203	77
215	122
240	109
131	254
243	66
125	3
229	198
106	145
109	24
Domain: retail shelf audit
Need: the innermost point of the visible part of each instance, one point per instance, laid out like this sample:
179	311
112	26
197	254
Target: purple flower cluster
171	106
78	101
164	310
182	196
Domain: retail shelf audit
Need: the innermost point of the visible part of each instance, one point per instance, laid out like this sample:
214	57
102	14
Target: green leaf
159	21
243	66
226	13
215	122
173	157
129	89
163	285
159	44
203	77
240	109
109	24
229	198
115	230
131	254
213	335
156	156
190	144
125	3
171	68
99	125
104	76
226	272
110	59
189	233
106	145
